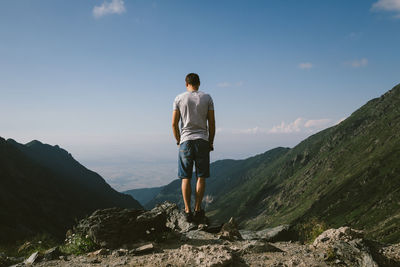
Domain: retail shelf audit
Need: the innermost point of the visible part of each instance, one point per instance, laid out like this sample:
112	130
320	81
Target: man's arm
176	116
211	128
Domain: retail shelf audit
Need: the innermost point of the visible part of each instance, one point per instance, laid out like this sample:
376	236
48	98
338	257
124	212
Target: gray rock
52	253
199	235
279	233
388	255
176	219
114	227
32	258
144	249
210	255
230	231
347	245
101	251
256	246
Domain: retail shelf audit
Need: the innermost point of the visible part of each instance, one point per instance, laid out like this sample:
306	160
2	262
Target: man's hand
211	147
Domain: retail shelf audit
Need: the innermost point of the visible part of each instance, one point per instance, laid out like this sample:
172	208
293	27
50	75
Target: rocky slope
44	190
161	237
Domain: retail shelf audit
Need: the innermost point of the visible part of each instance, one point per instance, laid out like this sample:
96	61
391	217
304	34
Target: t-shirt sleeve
210	104
175	105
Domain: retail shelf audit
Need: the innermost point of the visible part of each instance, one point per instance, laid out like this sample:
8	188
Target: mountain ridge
37	196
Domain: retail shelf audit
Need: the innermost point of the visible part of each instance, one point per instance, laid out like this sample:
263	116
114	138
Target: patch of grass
77	244
330	254
311	229
24	248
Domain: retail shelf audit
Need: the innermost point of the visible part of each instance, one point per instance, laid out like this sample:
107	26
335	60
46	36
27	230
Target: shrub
77	244
311	229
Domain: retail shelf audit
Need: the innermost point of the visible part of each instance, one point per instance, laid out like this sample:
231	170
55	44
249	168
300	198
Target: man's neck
192	88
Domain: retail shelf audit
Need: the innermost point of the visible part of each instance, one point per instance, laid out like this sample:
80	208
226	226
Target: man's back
195	141
193	108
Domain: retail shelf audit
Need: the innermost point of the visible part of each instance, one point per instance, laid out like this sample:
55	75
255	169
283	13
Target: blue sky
99	77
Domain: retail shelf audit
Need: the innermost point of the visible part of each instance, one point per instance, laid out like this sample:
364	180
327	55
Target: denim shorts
197	151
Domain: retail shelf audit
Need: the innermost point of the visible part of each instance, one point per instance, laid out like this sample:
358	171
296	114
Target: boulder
144	249
275	234
99	252
333	235
175	218
345	245
114	227
52	253
229	231
200	235
32	258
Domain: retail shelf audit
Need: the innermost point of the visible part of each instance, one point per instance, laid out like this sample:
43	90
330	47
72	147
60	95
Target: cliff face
44	190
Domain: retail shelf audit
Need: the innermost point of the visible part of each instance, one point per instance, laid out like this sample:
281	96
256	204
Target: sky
99	77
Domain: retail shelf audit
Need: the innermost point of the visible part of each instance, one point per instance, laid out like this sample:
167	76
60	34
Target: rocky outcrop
348	247
274	234
161	237
116	227
230	231
345	245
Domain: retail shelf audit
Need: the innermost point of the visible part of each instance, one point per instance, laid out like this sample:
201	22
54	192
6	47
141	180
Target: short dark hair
193	79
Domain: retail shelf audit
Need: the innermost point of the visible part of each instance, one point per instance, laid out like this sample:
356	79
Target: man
195	141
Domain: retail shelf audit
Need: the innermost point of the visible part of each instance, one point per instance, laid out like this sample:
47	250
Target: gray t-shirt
193	107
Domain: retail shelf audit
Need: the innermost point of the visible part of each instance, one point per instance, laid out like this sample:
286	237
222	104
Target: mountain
225	175
144	195
43	189
348	174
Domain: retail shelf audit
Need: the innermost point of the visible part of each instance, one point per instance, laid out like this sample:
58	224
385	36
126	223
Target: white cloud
305	65
255	130
301	125
228	84
107	8
316	123
387	5
223	84
288	128
357	63
239	83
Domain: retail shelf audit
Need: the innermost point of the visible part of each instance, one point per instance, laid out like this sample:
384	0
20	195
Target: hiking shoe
199	216
188	216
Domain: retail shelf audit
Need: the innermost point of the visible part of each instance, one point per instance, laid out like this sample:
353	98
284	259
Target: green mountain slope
225	176
44	190
348	174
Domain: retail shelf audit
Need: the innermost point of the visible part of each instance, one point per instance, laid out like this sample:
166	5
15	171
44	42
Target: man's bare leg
200	188
186	193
